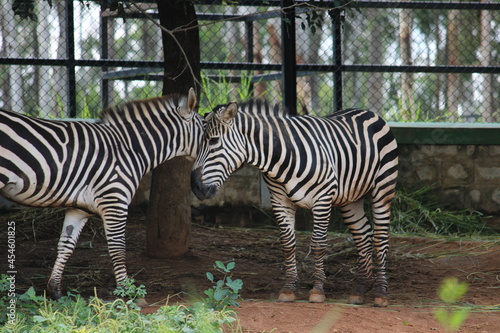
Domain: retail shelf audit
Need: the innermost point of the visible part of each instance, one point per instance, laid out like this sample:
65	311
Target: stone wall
465	176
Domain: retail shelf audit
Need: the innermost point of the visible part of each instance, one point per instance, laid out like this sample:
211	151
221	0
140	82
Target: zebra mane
119	113
262	108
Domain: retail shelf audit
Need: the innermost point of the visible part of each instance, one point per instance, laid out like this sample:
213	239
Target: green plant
225	292
73	313
218	91
450	292
416	211
23	305
128	289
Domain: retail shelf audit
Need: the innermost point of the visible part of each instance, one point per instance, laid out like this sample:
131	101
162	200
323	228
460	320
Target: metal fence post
289	66
337	20
70	49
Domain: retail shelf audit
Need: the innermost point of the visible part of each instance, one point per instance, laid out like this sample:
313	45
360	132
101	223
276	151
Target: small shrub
450	292
225	292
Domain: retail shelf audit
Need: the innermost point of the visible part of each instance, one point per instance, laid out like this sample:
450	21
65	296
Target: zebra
93	167
314	163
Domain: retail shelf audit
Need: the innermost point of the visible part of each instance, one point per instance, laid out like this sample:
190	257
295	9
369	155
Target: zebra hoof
54	290
356	300
316	296
381	302
286	297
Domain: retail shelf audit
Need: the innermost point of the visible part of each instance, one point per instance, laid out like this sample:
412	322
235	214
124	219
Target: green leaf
210	277
441	316
231	265
220	265
451	290
235	285
220	294
457	318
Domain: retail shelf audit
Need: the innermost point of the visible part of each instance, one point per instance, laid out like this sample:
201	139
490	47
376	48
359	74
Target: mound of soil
417	265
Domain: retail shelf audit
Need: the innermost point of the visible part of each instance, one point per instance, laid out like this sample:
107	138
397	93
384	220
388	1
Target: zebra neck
265	140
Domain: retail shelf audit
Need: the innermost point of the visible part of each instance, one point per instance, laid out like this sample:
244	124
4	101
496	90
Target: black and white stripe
93	167
314	163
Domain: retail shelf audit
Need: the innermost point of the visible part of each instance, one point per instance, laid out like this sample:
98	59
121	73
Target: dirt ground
417	265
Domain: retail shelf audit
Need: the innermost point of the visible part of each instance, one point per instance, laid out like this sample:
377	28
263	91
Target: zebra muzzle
199	189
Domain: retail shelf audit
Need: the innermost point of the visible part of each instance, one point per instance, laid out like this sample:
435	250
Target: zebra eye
213	141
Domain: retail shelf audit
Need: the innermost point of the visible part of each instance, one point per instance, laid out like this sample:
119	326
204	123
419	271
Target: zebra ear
186	110
230	112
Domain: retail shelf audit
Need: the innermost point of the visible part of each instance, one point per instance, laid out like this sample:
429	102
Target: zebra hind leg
74	222
381	219
361	231
114	226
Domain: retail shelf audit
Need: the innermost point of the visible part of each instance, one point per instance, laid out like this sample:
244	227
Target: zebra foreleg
74	222
361	230
318	247
286	224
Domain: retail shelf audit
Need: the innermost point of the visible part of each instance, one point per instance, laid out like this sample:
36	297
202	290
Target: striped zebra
315	163
93	167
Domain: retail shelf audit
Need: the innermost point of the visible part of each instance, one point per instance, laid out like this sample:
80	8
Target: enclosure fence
411	61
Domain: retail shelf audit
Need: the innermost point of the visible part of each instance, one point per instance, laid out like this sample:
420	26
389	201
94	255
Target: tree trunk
405	28
453	79
61	83
169	217
376	56
486	59
45	100
13	92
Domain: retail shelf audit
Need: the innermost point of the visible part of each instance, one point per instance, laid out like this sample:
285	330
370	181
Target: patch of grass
416	212
73	313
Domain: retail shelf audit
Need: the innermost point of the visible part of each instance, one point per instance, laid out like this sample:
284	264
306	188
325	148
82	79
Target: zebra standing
93	167
314	163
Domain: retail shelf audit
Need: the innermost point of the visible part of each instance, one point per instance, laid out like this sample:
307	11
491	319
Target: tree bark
486	59
169	218
376	56
453	79
405	29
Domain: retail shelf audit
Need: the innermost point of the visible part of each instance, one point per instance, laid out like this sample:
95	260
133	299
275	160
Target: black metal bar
249	49
423	5
402	69
288	54
70	49
379	4
104	55
336	15
256	66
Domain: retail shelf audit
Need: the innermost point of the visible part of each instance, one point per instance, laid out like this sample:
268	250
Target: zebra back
50	163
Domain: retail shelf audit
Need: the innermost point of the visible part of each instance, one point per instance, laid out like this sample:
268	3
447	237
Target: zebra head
221	151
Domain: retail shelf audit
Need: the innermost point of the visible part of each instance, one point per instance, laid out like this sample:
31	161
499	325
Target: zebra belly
307	196
25	191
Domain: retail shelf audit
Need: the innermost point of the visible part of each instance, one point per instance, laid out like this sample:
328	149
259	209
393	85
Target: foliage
450	292
73	313
128	289
217	91
225	292
416	211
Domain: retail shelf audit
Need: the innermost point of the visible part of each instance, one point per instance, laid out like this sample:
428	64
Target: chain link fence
426	61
